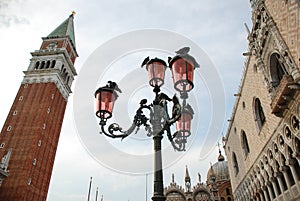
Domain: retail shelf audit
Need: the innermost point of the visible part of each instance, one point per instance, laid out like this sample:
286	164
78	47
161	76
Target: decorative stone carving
52	46
5	160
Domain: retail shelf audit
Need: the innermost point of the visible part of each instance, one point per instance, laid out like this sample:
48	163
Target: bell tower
29	137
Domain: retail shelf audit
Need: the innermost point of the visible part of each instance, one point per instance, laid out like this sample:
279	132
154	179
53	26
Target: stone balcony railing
283	95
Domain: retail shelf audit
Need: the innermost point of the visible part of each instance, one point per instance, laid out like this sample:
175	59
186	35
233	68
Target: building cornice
47	76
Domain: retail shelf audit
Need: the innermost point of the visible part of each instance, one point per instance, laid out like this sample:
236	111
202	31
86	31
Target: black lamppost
159	121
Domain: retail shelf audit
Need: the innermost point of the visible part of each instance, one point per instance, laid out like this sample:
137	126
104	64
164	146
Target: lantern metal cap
111	87
148	61
188	109
157	60
184	56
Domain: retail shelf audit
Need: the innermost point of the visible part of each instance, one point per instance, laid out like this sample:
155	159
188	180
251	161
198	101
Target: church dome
219	170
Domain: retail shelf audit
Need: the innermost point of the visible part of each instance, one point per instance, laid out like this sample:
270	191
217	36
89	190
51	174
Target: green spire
65	29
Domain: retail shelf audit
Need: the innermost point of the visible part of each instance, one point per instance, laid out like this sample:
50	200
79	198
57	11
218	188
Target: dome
219	170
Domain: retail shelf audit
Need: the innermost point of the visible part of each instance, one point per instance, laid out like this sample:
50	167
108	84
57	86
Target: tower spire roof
187	176
220	157
66	28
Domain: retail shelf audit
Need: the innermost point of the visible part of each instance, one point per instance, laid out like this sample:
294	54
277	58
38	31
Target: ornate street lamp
159	121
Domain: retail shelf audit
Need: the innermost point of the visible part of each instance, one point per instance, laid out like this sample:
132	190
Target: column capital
277	174
290	162
268	183
282	168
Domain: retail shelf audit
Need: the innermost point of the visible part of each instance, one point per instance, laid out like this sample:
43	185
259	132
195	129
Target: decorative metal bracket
140	119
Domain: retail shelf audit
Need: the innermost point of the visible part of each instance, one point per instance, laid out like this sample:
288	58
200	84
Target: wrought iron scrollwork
158	111
115	131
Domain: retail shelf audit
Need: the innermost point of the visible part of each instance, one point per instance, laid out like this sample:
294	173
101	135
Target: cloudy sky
214	26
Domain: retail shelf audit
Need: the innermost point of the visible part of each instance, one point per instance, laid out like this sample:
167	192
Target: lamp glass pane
183	74
183	125
156	72
105	100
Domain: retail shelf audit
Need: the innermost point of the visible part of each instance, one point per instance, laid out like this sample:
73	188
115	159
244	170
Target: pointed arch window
235	164
244	143
259	113
277	69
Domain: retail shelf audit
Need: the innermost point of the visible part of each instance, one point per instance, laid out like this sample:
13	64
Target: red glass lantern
183	125
105	99
182	67
156	70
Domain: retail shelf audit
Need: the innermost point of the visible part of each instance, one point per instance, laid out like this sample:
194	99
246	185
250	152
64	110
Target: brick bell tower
29	137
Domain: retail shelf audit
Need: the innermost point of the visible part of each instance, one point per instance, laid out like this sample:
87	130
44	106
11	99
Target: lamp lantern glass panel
156	70
105	99
182	67
183	125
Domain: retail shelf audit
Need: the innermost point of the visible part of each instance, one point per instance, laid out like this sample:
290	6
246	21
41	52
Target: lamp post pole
158	194
159	122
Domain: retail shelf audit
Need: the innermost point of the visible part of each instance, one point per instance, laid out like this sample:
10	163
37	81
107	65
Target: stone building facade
262	143
216	188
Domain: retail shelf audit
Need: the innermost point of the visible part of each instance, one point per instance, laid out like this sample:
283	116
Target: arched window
281	177
53	63
47	64
277	69
235	164
227	191
295	161
42	65
259	113
37	65
63	73
244	142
